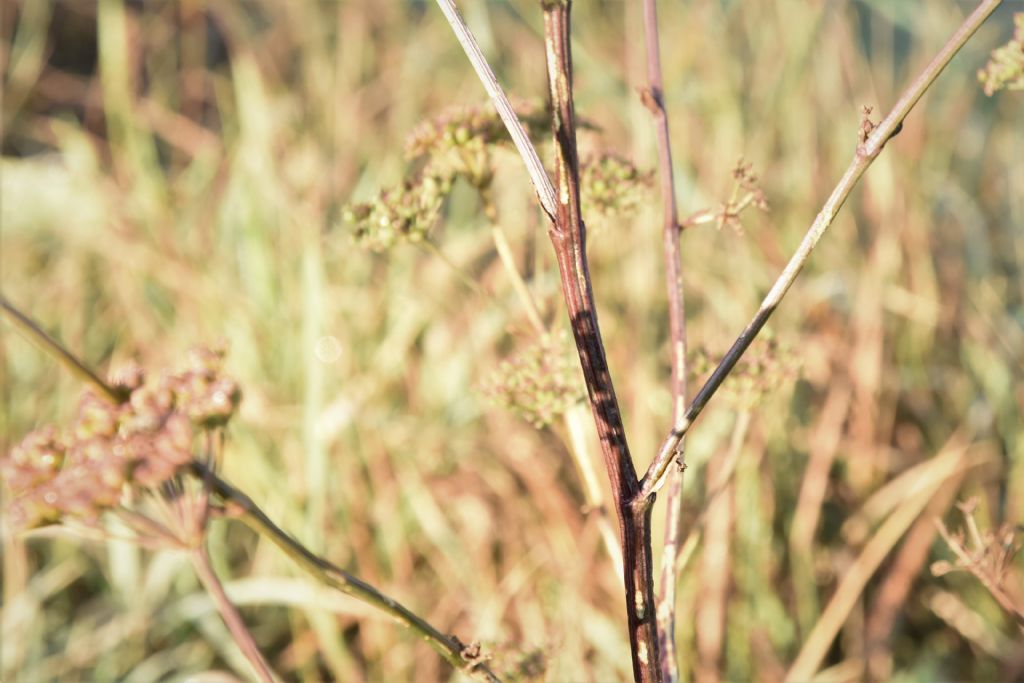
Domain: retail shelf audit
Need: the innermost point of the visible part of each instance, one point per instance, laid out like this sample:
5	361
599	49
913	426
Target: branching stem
865	154
569	238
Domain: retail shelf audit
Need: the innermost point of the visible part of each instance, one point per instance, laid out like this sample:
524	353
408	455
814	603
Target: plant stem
229	613
54	348
468	282
538	176
592	493
501	245
864	156
508	262
654	99
568	236
449	647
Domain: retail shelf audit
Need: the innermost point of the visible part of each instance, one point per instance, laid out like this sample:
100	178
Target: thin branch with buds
634	498
866	152
464	658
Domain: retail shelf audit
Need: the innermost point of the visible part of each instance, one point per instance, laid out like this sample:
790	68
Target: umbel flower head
1005	68
142	443
459	127
540	382
456	144
746	192
611	186
405	213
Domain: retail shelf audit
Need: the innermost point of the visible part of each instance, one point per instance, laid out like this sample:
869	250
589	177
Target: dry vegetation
174	174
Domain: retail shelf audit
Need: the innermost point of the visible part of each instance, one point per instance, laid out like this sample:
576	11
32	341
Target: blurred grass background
172	173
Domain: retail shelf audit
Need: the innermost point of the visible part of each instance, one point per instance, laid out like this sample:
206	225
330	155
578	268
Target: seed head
109	449
612	186
1005	68
540	382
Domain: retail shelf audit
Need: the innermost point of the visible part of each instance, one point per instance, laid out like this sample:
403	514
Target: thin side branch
243	638
538	176
653	98
450	648
49	345
865	155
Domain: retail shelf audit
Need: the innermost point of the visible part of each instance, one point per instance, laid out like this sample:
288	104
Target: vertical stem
201	562
568	236
654	100
30	329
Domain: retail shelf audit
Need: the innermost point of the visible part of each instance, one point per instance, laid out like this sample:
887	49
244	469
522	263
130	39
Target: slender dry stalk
229	613
894	588
48	344
654	98
716	573
593	494
866	152
237	504
950	464
824	444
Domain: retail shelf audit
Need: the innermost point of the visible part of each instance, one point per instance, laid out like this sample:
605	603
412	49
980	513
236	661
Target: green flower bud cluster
765	368
471	126
540	382
405	213
457	144
610	186
1005	68
142	442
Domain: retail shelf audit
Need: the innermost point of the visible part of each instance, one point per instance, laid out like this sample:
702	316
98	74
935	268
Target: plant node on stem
568	236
